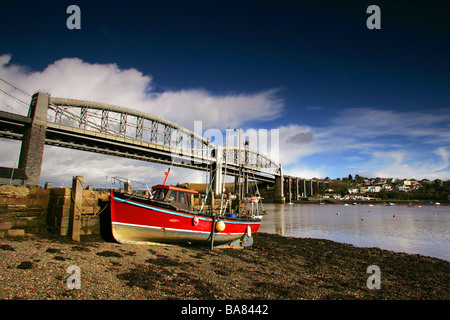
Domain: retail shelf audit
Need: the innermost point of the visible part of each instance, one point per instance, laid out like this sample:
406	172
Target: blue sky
345	99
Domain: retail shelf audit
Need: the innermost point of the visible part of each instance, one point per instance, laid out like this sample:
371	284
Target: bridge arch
113	130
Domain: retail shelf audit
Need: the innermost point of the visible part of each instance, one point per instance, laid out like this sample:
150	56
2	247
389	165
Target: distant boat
390	204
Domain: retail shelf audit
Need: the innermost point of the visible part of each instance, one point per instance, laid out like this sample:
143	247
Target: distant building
373	188
363	189
403	188
12	176
353	190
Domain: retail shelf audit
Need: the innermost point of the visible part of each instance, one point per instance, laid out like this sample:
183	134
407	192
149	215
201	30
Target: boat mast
224	175
240	187
167	175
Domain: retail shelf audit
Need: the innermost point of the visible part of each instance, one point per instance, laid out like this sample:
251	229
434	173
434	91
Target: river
416	230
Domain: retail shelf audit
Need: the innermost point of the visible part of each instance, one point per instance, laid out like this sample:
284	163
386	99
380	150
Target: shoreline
274	268
367	202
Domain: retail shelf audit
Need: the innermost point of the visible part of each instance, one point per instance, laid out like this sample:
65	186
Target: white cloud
74	78
357	140
305	171
186	106
108	83
404	164
371	142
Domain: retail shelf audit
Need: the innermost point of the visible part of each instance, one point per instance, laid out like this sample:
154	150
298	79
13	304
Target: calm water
413	230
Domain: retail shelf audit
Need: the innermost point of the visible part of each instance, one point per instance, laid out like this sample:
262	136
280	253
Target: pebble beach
274	268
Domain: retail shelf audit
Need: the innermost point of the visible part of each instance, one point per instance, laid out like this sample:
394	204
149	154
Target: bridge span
113	130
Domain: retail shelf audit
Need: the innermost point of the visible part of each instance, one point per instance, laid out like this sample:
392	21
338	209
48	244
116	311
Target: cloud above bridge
108	83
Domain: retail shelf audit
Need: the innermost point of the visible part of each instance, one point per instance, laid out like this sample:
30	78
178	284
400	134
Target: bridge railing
130	125
249	159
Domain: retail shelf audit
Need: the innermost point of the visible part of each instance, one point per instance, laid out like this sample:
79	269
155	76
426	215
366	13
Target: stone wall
22	210
48	211
59	211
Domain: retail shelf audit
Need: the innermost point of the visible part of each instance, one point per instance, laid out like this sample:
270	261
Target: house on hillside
373	188
353	190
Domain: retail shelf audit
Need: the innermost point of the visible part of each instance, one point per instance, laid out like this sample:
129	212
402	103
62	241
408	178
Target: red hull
136	221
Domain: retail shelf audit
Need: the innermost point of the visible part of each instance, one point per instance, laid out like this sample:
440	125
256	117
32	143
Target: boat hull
135	221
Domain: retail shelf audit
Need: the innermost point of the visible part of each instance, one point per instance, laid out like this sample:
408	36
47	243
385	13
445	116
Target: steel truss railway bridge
117	131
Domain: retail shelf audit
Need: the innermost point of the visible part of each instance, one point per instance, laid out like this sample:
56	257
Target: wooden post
76	204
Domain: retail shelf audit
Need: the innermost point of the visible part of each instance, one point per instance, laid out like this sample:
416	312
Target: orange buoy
434	212
338	213
220	226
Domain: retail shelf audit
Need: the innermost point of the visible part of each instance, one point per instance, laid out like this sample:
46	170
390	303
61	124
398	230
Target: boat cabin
177	197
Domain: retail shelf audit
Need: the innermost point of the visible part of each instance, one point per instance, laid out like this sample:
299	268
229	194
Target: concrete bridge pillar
290	189
32	150
279	188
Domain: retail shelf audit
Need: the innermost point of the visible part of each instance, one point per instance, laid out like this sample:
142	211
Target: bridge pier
290	189
32	149
279	188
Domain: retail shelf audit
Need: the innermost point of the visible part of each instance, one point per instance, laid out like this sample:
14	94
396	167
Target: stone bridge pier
294	188
32	150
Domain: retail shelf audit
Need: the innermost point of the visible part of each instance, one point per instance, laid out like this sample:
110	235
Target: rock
25	265
7	247
5	225
15	233
109	254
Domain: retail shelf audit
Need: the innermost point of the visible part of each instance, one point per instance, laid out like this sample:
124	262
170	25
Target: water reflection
412	230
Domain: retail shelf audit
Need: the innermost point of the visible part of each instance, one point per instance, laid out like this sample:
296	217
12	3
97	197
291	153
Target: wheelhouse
178	197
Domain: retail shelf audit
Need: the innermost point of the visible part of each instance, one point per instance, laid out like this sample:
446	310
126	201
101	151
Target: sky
345	99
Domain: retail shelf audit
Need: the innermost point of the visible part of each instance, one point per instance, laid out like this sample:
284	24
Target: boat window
159	194
172	195
182	197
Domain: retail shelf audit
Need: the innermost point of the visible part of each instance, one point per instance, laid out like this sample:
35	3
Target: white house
373	188
403	188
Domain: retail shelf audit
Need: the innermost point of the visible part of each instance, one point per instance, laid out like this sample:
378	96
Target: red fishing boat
167	216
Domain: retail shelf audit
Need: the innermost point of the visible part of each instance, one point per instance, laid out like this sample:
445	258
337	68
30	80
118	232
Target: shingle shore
275	267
